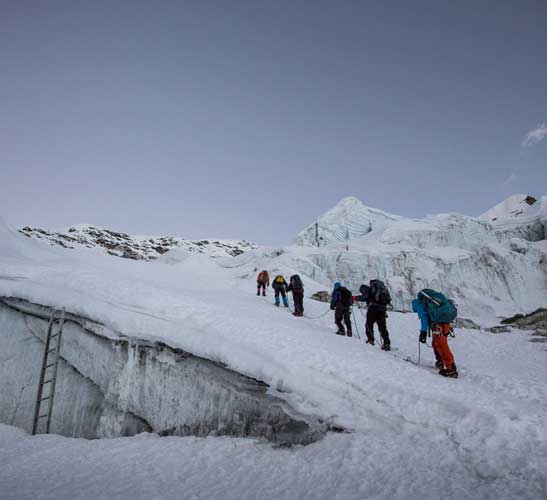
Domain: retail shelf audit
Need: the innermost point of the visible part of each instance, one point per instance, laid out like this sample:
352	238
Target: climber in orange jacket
263	281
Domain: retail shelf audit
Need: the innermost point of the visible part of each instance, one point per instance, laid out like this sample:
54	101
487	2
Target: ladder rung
47	381
43	399
53	336
50	365
44	415
51	350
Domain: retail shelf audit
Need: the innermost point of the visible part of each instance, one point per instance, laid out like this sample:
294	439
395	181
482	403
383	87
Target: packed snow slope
409	432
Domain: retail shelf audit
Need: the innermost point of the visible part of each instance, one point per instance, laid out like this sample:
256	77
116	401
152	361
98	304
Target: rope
317	317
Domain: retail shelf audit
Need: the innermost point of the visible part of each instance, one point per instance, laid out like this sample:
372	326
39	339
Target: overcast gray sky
250	118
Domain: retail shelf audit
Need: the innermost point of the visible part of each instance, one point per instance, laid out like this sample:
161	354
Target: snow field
411	433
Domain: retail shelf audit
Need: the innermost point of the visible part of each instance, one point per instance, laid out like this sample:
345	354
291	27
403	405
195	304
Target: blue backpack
439	308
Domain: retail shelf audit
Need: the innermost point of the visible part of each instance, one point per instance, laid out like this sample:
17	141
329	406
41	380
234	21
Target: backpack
279	279
379	294
364	290
296	282
346	298
439	308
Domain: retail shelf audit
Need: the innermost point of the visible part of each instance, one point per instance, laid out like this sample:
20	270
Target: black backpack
364	290
346	298
296	282
379	294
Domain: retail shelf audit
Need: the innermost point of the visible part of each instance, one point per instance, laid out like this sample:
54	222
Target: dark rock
499	329
535	321
516	317
466	323
322	296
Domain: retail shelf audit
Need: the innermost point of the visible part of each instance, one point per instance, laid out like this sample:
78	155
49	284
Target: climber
297	288
431	306
262	281
377	298
280	287
341	304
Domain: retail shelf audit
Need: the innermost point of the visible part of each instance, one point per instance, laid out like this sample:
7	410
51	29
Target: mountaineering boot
258	293
285	302
370	341
451	372
350	334
386	347
264	293
438	364
341	332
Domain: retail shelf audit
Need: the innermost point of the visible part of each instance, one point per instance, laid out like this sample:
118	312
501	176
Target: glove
332	308
423	337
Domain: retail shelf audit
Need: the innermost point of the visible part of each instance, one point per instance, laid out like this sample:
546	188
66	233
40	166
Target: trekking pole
408	358
355	323
288	303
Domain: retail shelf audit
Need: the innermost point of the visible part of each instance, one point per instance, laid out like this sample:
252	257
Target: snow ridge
512	207
134	247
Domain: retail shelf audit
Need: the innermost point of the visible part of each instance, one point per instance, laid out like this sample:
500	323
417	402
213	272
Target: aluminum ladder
48	373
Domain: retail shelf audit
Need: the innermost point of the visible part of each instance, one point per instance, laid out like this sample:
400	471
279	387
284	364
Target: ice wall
112	386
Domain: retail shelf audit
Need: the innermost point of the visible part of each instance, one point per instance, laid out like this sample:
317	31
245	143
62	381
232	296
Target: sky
248	119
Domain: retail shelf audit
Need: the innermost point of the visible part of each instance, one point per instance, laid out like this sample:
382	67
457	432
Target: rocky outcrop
134	247
535	321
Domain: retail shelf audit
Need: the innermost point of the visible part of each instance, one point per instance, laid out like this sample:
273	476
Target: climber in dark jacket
376	313
280	287
341	304
297	288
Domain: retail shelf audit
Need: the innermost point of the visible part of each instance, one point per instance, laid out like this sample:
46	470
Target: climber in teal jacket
418	308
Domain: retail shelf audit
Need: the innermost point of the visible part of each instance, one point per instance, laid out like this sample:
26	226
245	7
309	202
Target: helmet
337	285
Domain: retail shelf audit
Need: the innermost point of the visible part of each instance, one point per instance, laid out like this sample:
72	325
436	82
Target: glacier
491	268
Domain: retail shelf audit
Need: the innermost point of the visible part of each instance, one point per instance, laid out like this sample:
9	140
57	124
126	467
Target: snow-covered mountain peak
350	218
514	206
